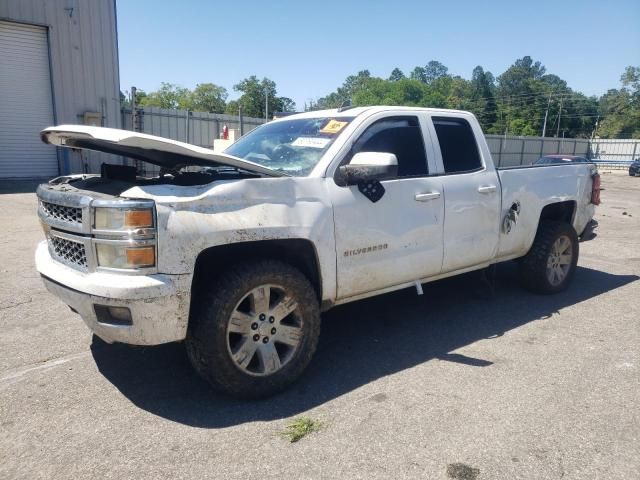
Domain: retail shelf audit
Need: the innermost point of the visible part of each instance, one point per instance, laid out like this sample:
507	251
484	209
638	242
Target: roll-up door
26	104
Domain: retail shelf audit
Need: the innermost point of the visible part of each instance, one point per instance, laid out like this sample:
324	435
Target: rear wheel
256	330
550	264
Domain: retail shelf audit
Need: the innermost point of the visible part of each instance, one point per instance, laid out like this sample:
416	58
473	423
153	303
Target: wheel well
561	212
299	253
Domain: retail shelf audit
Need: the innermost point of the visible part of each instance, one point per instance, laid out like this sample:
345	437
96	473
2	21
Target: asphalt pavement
463	382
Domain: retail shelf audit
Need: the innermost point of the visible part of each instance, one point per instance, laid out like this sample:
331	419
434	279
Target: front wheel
256	330
551	262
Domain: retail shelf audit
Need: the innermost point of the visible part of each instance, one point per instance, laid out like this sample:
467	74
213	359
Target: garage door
26	106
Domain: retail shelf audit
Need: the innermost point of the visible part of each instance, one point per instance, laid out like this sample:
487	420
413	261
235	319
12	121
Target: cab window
401	136
457	144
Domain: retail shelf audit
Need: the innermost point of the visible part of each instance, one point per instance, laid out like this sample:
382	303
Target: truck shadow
360	342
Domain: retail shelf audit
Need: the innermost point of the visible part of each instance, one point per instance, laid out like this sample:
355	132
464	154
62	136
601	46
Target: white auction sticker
311	142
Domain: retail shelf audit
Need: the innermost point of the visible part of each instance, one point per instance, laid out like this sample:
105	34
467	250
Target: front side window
291	146
457	144
402	137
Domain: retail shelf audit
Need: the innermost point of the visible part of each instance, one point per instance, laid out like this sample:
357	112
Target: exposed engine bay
115	179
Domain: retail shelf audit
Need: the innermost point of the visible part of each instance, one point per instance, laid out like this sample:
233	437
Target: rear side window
402	137
457	144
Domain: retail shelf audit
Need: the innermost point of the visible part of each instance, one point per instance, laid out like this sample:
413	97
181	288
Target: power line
524	96
576	115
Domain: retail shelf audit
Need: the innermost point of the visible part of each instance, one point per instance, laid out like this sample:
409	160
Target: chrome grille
62	213
68	251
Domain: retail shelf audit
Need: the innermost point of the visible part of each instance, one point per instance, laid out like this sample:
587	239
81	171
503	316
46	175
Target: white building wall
83	53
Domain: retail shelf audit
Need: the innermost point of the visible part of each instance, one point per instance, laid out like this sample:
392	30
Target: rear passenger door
471	194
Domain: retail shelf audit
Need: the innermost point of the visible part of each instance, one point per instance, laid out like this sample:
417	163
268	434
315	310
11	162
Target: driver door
397	239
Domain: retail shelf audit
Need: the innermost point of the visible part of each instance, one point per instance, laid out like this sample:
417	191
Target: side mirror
368	166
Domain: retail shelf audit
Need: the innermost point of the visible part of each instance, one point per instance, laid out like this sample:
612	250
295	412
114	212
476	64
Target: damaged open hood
148	148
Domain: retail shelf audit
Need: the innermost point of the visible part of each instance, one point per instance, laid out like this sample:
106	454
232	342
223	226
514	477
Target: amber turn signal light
141	257
138	218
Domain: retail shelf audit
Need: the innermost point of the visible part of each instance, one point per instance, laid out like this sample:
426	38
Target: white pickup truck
237	253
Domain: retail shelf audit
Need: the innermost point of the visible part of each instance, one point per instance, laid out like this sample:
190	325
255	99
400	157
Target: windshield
290	146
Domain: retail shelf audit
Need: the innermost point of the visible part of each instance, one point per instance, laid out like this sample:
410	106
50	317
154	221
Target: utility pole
133	108
559	116
595	130
591	153
546	114
506	125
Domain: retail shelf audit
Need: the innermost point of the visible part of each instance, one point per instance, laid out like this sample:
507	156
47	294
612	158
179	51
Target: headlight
125	234
120	219
125	256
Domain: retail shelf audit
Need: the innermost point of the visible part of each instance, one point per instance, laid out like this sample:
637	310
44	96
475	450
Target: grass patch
300	427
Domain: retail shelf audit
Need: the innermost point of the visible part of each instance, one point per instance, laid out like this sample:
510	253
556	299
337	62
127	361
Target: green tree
431	72
519	126
396	74
631	79
351	85
255	93
483	99
353	82
620	108
287	104
516	80
434	70
406	92
527	93
515	103
169	96
419	74
233	108
208	97
252	98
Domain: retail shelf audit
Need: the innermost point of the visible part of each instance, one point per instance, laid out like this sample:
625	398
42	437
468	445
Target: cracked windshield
290	146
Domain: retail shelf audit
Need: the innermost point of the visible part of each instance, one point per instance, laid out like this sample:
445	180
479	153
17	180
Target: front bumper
159	304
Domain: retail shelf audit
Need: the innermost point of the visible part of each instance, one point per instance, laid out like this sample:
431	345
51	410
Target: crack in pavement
16	304
19	373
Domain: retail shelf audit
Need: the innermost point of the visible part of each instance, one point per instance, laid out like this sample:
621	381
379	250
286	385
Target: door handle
425	197
487	188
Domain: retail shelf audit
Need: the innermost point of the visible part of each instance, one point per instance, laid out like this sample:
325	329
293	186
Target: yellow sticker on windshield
334	126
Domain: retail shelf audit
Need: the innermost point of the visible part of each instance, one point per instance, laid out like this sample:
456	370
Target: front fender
193	219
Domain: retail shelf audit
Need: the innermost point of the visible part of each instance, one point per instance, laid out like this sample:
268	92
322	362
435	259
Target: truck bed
533	187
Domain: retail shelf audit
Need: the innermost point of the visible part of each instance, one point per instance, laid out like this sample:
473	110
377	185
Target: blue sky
309	48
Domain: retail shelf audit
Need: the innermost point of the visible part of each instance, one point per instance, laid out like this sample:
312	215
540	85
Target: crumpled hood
148	148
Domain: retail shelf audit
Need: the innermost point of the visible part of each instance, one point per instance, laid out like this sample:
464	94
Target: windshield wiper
230	169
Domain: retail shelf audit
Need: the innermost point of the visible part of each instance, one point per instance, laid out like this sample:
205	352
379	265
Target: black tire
207	337
533	267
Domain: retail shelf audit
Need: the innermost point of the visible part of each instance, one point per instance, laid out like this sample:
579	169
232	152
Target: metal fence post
216	125
187	113
522	152
133	108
